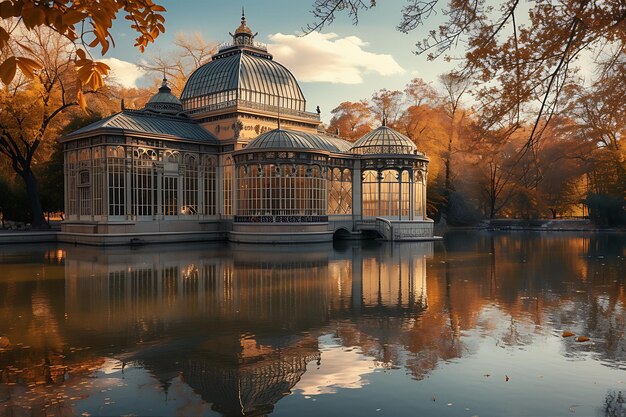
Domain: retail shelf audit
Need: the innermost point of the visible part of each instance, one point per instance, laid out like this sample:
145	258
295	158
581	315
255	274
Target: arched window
227	190
143	182
370	193
172	156
389	194
420	194
405	195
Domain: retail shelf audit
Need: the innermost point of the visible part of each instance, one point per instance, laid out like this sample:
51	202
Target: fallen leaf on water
582	339
567	334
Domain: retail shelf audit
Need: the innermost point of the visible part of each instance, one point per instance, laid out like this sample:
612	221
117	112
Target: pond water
471	326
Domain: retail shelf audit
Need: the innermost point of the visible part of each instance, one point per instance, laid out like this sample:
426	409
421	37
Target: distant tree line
575	167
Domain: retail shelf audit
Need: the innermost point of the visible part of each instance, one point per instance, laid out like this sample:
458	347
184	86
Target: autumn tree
523	55
30	109
351	120
387	106
454	88
34	110
191	52
46	67
83	24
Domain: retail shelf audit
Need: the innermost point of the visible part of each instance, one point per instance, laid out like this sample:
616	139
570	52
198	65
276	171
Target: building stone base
178	231
114	239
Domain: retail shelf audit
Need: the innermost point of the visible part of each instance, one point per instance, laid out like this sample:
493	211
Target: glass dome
383	140
281	139
164	101
242	72
290	139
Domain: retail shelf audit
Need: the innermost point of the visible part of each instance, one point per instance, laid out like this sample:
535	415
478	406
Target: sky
342	62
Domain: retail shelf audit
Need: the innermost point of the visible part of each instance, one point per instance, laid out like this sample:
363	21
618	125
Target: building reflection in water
239	325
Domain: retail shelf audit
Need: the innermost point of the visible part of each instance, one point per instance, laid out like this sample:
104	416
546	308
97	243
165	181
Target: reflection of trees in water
572	281
614	405
35	382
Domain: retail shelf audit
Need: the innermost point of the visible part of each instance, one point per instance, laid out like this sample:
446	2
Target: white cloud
124	73
339	368
325	57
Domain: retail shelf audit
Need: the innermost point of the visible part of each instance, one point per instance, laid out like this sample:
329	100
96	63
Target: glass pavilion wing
135	121
384	141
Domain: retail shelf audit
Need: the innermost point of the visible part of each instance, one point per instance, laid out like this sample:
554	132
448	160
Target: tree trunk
553	213
38	220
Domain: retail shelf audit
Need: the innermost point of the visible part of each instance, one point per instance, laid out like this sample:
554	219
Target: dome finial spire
243	35
164	82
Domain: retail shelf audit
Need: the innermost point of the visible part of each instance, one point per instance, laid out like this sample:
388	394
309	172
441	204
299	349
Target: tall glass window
339	191
70	167
117	180
190	186
389	194
143	182
170	195
97	180
84	182
370	193
84	192
228	187
405	195
420	195
209	185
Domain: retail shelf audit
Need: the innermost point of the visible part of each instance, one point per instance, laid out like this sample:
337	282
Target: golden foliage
94	19
351	120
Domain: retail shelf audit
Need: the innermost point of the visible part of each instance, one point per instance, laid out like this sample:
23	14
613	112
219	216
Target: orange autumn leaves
578	339
94	18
